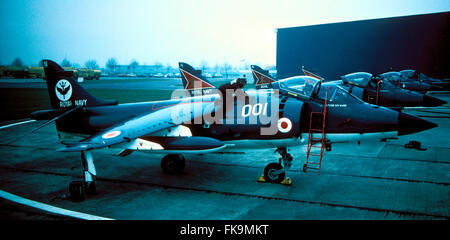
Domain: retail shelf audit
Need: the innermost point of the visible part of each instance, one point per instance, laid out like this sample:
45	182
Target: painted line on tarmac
14	124
49	208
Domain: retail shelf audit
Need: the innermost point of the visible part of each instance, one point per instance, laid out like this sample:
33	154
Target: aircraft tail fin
64	90
192	78
310	74
262	77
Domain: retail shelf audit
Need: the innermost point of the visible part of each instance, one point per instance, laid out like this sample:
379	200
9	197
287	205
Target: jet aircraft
313	94
374	90
366	87
411	80
277	118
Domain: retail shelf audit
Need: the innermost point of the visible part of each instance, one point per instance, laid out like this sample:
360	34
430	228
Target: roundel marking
111	134
284	125
63	90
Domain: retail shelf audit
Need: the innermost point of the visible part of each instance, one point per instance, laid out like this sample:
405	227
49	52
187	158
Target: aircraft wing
144	125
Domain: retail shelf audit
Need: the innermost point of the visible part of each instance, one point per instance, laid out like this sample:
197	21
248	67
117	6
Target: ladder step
314	155
316	127
311	156
314	152
312	168
317	155
313	163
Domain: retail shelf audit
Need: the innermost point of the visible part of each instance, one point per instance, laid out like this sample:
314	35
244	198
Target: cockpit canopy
391	76
408	73
303	86
359	79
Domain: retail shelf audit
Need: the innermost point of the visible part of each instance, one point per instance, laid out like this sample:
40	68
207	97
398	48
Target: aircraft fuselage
244	121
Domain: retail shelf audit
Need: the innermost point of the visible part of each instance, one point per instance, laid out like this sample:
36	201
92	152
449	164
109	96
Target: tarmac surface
373	180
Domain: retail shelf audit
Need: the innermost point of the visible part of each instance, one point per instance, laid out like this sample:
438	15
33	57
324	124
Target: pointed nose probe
429	101
408	124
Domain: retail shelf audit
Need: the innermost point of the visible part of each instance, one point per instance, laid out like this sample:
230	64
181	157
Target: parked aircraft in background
411	80
374	90
262	77
366	87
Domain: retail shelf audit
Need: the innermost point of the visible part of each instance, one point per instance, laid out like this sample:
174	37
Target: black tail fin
310	74
193	79
64	90
262	77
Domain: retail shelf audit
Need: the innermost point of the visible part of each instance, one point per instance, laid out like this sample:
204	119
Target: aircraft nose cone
408	124
436	87
429	101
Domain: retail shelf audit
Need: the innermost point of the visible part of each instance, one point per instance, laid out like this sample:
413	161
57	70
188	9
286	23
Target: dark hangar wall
419	42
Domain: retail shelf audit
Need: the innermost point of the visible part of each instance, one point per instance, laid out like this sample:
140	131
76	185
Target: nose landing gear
275	172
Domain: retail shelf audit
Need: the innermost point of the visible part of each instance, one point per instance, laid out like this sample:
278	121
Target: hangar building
419	42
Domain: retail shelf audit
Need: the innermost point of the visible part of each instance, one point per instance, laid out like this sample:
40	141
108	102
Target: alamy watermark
232	106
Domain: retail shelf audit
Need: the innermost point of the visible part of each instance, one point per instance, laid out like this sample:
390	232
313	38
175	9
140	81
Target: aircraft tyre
172	164
270	173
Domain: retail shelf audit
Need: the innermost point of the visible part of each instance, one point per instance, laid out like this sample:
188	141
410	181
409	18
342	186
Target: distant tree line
112	66
90	64
17	62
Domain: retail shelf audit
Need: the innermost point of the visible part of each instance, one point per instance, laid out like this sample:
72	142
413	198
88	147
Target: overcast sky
169	31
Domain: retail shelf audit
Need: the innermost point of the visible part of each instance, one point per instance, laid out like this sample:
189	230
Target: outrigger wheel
173	163
273	173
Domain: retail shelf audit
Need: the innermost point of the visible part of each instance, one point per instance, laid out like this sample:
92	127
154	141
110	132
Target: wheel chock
261	179
287	181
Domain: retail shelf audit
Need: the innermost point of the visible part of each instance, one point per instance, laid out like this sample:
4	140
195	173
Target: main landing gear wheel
173	163
272	173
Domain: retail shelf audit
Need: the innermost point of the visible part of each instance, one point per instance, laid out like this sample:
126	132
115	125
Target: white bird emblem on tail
63	90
